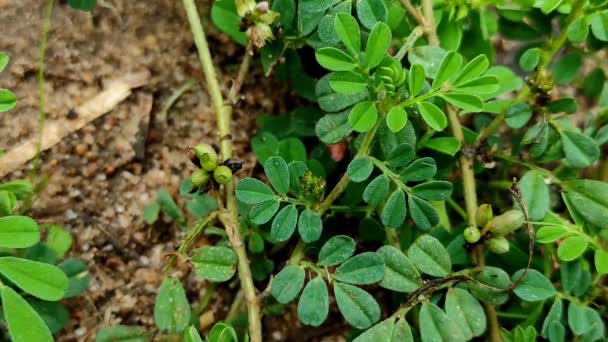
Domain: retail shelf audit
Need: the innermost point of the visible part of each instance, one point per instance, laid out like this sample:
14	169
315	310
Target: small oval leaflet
336	250
216	264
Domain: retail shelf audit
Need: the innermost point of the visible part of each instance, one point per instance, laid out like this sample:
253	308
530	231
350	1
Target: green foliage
171	308
30	284
370	172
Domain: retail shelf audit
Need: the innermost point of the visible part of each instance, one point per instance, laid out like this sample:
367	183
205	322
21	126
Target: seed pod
200	178
234	164
222	174
207	156
507	222
483	215
472	234
498	244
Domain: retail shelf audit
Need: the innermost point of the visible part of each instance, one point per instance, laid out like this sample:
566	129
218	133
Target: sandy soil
100	178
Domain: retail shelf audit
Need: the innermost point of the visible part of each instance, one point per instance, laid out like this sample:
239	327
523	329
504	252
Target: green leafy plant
427	189
384	210
34	274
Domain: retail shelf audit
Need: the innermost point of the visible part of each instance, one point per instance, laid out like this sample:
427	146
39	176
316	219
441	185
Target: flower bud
207	156
507	222
259	34
483	215
498	244
222	174
200	178
472	234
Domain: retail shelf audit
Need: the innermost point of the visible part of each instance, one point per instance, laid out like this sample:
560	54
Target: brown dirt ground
101	177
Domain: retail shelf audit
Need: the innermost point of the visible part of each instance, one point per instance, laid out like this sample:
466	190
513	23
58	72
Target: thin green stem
457	208
466	169
46	27
229	218
409	42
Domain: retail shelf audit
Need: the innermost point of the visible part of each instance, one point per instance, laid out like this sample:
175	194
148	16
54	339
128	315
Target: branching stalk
230	217
550	49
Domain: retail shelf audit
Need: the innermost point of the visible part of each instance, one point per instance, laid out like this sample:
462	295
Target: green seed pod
207	155
507	222
472	234
498	244
483	215
200	178
222	174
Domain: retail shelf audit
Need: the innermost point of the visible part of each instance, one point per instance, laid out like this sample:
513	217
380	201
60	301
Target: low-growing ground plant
426	191
433	187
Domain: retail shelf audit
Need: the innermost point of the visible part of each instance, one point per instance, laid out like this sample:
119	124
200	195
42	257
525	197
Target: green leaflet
535	193
433	116
423	213
348	31
435	325
430	257
24	324
313	306
400	274
288	283
253	191
263	212
462	308
18	232
394	211
310	226
363	116
416	79
376	190
334	59
495	277
588	198
359	169
357	306
284	224
389	331
378	42
278	174
216	264
39	279
581	150
172	309
222	332
362	269
534	287
572	248
336	250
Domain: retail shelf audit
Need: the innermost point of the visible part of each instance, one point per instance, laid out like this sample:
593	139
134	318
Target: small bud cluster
258	17
205	156
494	229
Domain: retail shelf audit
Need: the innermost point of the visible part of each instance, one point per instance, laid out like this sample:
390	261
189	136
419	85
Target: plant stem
46	27
429	22
413	11
229	218
416	33
466	169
